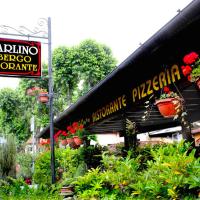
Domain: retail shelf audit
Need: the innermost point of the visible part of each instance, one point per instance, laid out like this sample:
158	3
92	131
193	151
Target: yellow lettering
111	108
143	94
103	112
175	71
138	92
149	91
11	66
162	80
168	77
116	107
27	59
155	83
18	58
124	100
134	94
35	68
4	65
119	100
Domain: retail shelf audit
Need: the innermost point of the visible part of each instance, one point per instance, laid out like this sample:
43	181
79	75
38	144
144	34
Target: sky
120	24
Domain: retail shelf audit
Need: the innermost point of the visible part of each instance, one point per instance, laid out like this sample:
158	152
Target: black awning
162	51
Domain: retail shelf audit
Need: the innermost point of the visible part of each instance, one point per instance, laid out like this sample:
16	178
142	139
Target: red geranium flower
190	58
189	78
166	90
81	127
69	128
186	70
75	125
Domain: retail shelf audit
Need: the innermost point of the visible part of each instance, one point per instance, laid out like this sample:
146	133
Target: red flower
190	58
64	133
72	130
69	128
57	134
189	78
186	70
81	127
166	90
75	125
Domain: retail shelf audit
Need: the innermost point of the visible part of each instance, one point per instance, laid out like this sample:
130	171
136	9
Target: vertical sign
20	58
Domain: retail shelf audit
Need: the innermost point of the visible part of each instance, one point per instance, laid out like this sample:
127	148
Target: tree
65	71
89	61
11	118
7	155
96	62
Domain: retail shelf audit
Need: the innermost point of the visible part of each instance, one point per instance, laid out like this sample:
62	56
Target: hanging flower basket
78	141
33	91
70	140
43	97
64	142
168	107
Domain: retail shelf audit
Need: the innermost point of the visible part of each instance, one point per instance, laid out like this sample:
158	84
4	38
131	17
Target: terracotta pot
43	97
77	140
167	107
70	140
64	142
198	83
33	91
67	190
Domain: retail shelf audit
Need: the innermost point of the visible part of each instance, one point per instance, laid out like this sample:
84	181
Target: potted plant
43	96
62	136
191	68
77	130
33	91
169	104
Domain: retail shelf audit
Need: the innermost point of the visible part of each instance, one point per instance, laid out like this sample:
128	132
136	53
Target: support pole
51	102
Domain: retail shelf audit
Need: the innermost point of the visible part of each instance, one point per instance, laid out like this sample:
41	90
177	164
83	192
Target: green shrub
172	172
66	163
16	189
25	160
7	156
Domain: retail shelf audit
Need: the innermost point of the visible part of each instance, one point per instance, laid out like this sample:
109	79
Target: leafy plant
17	189
7	155
25	160
192	68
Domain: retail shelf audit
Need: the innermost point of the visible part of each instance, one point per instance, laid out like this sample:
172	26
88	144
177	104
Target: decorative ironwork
40	30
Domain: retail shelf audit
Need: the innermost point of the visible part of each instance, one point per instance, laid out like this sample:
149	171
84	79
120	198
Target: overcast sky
120	24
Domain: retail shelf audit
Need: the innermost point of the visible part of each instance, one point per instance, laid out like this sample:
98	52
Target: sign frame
20	58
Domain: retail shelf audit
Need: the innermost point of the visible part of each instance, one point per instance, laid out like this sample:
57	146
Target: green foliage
88	61
172	172
17	189
112	182
92	155
196	70
65	159
96	62
69	161
7	155
25	160
11	117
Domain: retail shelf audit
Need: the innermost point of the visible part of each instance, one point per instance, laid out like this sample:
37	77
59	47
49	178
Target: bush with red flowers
191	67
76	129
61	134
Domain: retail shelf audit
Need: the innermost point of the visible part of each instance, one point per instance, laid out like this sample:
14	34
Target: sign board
20	58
